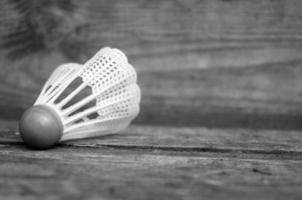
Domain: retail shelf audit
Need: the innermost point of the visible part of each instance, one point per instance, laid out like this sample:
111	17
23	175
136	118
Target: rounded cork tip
40	127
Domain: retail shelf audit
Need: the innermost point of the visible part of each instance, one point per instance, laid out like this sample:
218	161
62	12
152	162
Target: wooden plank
194	98
264	143
257	97
149	162
192	138
201	139
116	174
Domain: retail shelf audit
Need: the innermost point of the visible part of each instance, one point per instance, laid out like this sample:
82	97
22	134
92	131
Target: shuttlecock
81	101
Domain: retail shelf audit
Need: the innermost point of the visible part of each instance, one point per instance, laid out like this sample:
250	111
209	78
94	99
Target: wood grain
150	162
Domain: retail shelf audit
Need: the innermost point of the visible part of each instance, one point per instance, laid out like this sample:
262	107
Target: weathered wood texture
210	62
149	162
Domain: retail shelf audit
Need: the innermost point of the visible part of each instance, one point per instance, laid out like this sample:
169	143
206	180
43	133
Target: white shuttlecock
81	101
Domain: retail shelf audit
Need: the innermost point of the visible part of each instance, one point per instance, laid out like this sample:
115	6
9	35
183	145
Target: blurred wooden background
213	63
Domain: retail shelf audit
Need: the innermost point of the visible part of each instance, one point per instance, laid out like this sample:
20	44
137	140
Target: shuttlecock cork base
81	101
40	127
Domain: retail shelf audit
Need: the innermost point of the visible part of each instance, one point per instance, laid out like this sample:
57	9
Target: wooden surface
153	162
221	110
